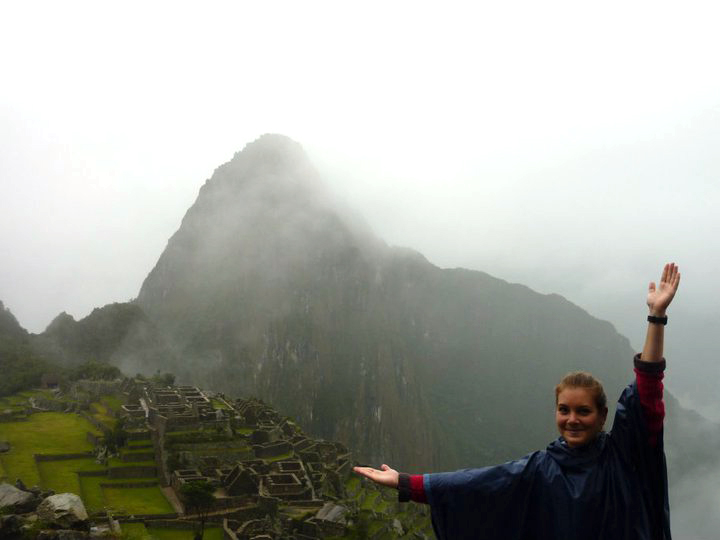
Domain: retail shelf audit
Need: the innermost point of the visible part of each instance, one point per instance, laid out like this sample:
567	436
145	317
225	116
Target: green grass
375	502
42	433
196	436
114	403
101	413
281	457
134	531
218	404
375	527
381	505
352	486
61	475
148	500
158	533
19	401
138	531
93	494
140	442
129	451
117	462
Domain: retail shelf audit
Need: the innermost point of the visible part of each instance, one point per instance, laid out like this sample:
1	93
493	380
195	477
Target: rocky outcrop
64	510
332	512
17	501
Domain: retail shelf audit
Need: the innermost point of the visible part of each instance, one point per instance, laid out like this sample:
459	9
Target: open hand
659	298
385	476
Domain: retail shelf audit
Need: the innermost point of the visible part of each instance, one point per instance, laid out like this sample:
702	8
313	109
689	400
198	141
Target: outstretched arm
385	476
658	300
410	487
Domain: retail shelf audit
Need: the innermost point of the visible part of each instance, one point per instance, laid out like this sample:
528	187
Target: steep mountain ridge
265	289
118	333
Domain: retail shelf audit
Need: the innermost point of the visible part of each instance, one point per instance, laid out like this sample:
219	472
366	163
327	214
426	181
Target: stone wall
271	450
93	439
92	473
139	471
143	435
61	457
138	456
95	422
149	483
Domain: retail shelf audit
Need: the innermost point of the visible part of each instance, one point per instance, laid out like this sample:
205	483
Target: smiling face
578	418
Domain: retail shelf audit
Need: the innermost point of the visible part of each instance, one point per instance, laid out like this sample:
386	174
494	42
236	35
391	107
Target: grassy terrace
219	404
281	457
117	462
62	433
114	403
62	475
102	414
42	433
138	531
140	500
20	400
197	437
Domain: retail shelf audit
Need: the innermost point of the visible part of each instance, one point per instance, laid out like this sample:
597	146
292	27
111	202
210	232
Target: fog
568	147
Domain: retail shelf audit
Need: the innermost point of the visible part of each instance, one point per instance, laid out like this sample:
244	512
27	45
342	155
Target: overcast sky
569	146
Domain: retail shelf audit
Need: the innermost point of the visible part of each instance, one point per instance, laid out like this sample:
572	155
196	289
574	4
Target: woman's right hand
385	476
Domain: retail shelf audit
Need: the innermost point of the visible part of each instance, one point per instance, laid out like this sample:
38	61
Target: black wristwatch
403	487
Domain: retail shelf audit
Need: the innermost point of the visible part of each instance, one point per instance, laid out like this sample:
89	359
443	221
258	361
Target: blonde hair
583	379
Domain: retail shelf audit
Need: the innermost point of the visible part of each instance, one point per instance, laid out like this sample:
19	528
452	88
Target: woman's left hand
659	298
385	476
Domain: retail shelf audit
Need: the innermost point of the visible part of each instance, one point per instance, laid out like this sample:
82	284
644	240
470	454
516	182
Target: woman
587	484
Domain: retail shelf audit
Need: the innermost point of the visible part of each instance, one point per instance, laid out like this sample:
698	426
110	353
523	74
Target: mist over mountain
118	333
271	288
267	289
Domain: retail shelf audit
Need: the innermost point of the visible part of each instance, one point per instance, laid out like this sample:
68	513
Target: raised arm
658	300
650	364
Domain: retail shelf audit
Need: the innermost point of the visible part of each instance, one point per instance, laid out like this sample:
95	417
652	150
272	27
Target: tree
198	499
96	371
117	437
165	379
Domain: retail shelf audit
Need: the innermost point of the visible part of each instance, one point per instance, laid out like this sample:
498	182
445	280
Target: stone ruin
271	481
265	471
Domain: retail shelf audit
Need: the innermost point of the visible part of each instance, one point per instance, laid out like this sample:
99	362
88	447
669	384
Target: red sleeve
648	379
417	489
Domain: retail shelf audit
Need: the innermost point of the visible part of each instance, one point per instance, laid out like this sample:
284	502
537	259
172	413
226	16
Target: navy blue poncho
614	488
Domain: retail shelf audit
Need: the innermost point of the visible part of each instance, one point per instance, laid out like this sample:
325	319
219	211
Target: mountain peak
273	142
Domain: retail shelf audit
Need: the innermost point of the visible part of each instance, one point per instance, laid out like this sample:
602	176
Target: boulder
4	446
17	500
62	534
9	525
332	512
65	510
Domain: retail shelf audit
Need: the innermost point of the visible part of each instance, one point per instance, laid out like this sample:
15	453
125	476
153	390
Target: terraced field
54	433
42	433
138	531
